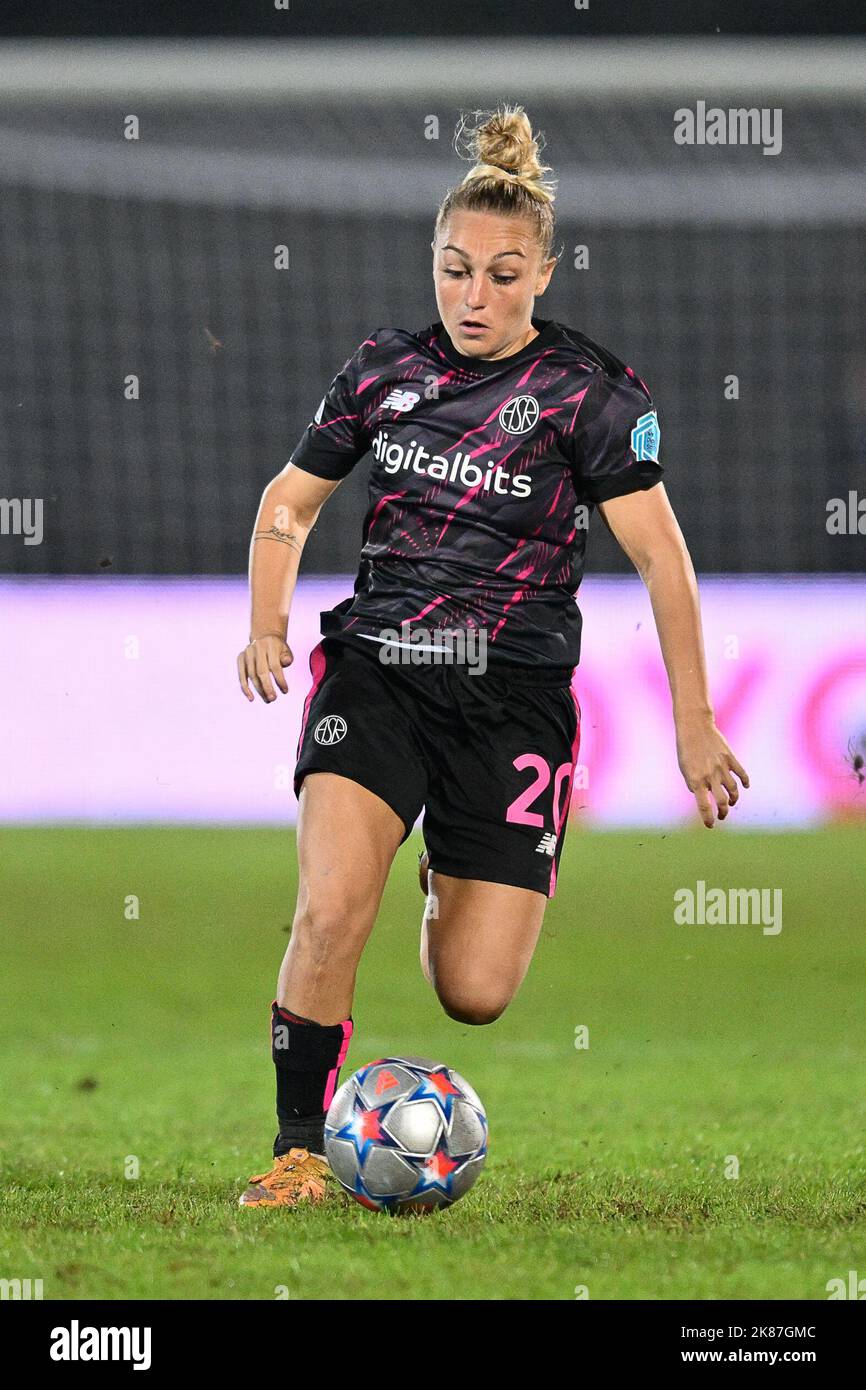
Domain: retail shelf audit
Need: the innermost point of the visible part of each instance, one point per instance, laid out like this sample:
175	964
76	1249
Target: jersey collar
487	366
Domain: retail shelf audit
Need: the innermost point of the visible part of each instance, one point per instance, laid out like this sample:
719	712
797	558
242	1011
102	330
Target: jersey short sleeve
335	438
616	441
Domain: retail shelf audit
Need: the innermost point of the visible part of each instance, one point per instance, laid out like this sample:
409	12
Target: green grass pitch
607	1166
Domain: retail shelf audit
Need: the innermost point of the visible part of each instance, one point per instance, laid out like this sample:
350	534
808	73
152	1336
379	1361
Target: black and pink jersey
484	473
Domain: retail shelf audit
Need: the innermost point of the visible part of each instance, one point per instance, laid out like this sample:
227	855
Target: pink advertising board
120	701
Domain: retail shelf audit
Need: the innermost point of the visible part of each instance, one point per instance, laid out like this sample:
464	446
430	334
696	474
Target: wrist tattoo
275	534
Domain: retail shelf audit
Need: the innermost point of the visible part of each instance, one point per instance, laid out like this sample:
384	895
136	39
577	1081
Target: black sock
308	1057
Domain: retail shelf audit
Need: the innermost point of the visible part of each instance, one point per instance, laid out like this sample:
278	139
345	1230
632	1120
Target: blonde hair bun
507	177
503	146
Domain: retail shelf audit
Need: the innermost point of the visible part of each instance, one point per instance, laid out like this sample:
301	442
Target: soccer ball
406	1133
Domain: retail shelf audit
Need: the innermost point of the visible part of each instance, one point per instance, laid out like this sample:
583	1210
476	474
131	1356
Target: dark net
232	355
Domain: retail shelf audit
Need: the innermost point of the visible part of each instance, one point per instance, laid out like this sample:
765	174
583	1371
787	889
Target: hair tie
482	168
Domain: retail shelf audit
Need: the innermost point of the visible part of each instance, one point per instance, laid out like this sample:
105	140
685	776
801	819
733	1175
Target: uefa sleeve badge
645	438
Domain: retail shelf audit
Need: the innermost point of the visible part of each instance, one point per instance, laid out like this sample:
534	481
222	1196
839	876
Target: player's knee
472	1008
322	929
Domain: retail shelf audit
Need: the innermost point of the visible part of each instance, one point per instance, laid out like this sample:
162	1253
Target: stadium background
156	257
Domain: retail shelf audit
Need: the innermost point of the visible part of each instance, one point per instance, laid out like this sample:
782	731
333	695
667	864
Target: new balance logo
547	844
401	400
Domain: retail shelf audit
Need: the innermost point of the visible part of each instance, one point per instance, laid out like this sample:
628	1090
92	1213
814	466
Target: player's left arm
645	526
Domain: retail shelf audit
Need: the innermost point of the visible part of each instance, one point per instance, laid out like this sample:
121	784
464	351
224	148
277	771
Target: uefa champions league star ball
405	1133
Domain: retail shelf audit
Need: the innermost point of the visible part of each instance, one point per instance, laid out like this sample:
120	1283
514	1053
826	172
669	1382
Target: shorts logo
645	438
547	844
330	729
401	400
519	415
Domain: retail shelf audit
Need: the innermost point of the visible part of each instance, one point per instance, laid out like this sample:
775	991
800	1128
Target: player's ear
545	271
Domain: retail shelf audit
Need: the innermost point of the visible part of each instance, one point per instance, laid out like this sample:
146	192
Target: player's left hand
708	766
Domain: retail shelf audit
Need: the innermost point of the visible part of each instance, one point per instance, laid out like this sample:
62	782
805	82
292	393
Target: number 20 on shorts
518	812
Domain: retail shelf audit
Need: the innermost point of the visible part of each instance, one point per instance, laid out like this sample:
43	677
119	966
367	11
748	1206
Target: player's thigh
478	939
347	839
499	792
360	725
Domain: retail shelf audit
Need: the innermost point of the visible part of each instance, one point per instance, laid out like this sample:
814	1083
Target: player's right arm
287	513
331	446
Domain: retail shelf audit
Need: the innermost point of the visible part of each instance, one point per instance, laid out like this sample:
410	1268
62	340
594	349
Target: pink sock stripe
348	1029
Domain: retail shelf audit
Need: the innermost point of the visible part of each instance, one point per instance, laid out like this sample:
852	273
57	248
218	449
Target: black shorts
490	758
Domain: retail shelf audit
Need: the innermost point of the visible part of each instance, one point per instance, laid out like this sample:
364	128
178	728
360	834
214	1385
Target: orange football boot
296	1177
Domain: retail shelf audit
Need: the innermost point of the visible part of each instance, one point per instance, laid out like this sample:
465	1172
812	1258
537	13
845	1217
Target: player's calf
307	1057
477	940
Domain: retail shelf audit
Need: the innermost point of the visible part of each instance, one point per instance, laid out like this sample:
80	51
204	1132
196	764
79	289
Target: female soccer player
493	434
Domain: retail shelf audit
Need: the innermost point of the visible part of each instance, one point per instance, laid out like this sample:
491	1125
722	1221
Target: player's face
487	270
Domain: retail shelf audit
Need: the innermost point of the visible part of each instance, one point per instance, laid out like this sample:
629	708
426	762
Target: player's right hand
261	664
